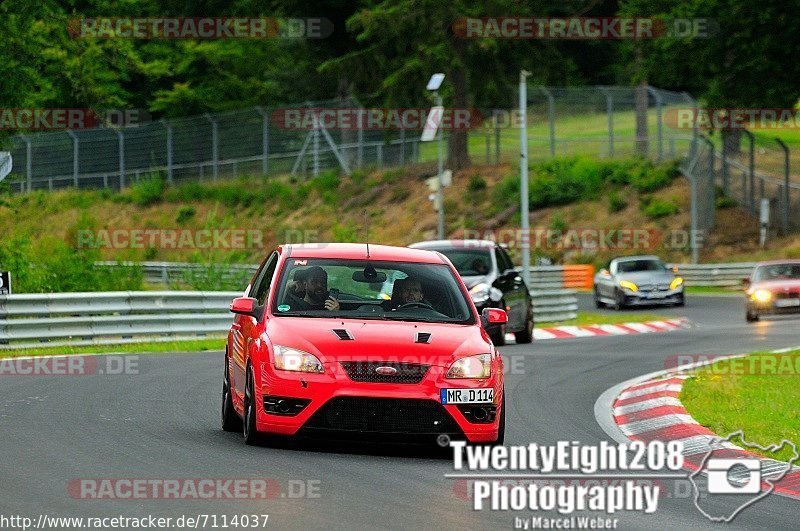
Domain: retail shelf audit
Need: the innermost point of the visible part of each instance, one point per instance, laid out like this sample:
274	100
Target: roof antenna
366	223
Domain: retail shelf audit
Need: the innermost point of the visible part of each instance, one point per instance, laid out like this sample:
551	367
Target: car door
245	328
513	289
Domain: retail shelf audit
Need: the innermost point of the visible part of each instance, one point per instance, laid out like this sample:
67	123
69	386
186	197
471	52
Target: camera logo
736	475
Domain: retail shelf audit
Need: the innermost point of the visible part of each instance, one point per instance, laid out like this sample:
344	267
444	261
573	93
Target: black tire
501	432
249	431
619	300
230	420
751	317
597	302
681	302
525	336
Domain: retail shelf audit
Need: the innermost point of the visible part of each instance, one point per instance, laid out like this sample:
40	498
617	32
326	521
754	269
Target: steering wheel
418	304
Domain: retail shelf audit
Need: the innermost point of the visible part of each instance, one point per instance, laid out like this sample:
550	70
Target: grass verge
188	345
757	394
592	318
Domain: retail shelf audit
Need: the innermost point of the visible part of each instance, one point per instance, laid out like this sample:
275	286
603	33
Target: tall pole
523	176
440	190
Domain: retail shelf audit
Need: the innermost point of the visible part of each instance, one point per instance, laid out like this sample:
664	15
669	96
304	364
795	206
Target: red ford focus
341	339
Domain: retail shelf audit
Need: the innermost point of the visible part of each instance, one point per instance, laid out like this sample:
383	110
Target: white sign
432	123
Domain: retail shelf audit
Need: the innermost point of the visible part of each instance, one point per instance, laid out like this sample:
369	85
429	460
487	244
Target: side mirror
245	306
746	282
490	316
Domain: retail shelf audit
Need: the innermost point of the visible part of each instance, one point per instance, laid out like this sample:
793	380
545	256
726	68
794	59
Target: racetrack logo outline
771	481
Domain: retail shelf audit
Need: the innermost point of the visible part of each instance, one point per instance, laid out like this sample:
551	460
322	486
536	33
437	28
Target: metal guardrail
722	275
132	316
82	317
554	305
168	273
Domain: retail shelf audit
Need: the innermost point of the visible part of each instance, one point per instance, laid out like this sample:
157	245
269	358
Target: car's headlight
291	359
761	295
628	285
677	281
479	366
482	292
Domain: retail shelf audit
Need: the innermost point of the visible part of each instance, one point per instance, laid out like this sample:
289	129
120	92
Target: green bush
148	191
616	203
659	208
476	184
185	213
50	265
558	223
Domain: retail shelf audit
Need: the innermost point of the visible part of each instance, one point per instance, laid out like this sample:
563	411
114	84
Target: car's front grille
385	372
383	415
653	287
785	295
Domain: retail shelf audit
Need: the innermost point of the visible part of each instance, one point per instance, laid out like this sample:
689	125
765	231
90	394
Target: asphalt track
163	423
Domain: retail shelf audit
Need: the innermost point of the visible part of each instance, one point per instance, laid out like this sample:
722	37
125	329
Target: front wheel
250	403
526	335
501	431
751	317
597	302
619	300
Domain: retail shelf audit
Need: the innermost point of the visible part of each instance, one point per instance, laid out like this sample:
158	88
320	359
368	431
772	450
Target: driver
407	291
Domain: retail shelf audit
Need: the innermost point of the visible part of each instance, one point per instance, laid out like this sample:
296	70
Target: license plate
786	303
468	396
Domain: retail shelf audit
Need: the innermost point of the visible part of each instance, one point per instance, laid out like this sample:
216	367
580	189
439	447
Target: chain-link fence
208	147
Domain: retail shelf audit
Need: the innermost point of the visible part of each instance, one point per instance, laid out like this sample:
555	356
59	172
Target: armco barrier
723	275
132	316
561	276
122	314
554	305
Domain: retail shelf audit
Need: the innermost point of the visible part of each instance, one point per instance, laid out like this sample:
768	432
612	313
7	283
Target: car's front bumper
773	307
338	405
652	298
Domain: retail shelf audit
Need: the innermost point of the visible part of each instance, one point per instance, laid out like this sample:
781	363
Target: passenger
317	295
298	287
479	266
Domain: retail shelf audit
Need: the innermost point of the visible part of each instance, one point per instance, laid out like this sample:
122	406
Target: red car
773	288
362	341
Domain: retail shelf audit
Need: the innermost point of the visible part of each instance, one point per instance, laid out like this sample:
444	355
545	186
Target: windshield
635	266
777	272
469	262
371	290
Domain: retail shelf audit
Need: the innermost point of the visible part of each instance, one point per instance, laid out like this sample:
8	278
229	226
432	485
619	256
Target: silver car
637	281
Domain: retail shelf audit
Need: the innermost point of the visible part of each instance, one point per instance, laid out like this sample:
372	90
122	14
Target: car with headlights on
773	288
637	281
314	349
493	282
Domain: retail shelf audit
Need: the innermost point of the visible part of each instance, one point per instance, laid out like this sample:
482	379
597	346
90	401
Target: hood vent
343	334
423	337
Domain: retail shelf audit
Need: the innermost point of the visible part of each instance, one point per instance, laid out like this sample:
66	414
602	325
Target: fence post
785	185
403	147
610	113
75	157
168	127
751	170
659	122
496	141
121	143
551	117
214	146
28	161
360	148
264	140
725	176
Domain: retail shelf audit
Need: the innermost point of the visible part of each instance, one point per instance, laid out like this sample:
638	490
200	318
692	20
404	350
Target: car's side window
503	263
506	259
260	288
